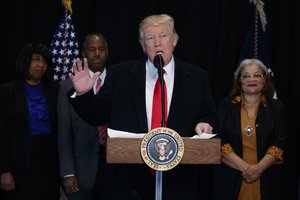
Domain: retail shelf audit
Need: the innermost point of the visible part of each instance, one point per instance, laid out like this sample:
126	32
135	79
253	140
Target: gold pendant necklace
248	130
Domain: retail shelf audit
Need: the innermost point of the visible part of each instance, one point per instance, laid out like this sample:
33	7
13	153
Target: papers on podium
123	134
203	136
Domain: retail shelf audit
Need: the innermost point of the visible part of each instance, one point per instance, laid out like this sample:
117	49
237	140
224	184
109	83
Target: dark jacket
15	138
121	103
271	130
78	142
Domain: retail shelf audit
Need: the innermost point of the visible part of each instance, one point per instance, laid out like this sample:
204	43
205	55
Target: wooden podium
196	151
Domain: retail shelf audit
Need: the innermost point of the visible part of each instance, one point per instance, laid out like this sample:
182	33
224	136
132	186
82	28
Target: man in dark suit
125	103
80	153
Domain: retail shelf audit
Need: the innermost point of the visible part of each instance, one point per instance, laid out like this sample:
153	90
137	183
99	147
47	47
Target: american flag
64	47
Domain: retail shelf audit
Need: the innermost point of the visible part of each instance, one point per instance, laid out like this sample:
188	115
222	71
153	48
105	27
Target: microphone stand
159	64
162	84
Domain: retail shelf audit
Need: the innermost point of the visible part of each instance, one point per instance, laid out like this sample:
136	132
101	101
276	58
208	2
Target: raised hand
81	79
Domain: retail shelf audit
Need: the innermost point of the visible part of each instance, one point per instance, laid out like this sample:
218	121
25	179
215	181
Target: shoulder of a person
126	66
10	84
227	102
189	66
275	102
51	88
123	64
65	83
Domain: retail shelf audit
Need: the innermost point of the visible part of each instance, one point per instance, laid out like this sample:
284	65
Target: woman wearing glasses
253	129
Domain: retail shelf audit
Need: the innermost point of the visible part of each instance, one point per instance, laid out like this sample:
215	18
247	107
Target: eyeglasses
248	76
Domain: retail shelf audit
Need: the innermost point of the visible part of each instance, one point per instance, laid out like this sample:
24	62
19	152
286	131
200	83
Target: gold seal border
149	136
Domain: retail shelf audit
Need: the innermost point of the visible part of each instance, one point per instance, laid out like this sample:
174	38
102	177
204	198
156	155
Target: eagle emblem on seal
162	148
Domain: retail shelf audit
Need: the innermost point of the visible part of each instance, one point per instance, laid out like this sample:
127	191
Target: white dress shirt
151	77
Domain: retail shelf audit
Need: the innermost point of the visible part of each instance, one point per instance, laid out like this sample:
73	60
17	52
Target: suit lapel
181	86
236	116
21	99
137	89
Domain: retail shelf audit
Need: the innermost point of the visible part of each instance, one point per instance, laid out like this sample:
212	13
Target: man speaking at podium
126	101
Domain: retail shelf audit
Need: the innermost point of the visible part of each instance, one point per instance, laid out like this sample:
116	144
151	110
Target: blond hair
156	20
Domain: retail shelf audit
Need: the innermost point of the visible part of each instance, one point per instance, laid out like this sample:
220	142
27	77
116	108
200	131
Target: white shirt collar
169	68
102	75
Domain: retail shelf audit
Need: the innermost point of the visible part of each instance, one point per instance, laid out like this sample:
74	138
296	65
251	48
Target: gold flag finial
67	4
262	15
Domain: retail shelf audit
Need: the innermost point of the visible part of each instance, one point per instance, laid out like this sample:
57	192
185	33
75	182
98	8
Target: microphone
158	61
159	64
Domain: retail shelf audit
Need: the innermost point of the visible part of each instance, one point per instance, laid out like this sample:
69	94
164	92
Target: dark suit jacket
15	139
121	104
271	130
78	142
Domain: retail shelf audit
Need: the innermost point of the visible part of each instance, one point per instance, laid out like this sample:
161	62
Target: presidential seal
162	149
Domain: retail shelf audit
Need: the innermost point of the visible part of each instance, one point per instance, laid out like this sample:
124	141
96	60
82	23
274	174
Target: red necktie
98	85
157	109
102	130
157	105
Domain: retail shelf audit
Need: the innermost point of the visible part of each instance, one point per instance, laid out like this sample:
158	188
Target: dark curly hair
24	60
